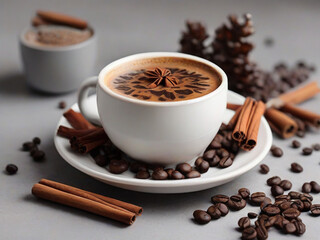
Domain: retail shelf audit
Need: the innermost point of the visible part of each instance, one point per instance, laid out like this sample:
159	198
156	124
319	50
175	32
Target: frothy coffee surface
57	36
194	79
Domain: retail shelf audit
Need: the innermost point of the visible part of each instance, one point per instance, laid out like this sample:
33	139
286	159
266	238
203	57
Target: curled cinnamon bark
77	120
233	121
302	114
70	132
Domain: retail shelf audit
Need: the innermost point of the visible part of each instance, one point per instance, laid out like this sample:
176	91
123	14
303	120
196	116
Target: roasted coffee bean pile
278	186
264	169
282	214
32	147
220	153
230	50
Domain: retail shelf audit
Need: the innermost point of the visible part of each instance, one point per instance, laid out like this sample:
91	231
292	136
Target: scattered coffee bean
315	187
203	167
215	145
277	152
118	166
275	180
305	196
291	213
222	153
27	146
11	169
101	160
296	144
177	175
225	162
300	133
297	204
36	140
252	215
33	151
214	212
208	155
276	190
300	227
290	228
198	161
316	147
159	174
38	156
215	161
271	210
262	232
184	168
257	198
249	233
62	105
193	174
264	169
285	184
285	205
244	193
266	202
294	195
315	209
224	210
307	151
201	217
306	187
220	198
169	171
296	167
244	222
236	203
143	174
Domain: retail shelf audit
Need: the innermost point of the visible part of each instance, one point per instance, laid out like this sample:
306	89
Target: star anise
159	76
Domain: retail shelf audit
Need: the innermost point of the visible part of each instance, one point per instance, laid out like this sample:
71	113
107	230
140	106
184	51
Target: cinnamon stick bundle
280	123
70	132
77	120
78	198
302	114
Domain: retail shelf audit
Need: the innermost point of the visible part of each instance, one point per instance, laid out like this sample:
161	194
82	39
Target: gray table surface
127	27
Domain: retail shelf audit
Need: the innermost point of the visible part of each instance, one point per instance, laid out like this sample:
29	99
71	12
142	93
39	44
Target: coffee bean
316	147
297	204
36	140
257	198
252	215
271	210
304	196
306	187
214	212
283	197
307	151
236	198
101	160
306	205
193	174
203	167
38	156
220	198
169	171
296	167
285	205
215	161
218	138
280	221
270	221
155	167
262	232
184	168
296	144
277	152
11	169
266	202
315	187
118	166
276	190
177	175
244	222
294	195
208	155
201	217
290	228
244	192
27	146
62	105
315	209
215	145
274	181
264	169
236	205
33	151
291	213
159	174
138	166
224	210
285	184
249	233
300	133
198	161
225	162
300	227
143	174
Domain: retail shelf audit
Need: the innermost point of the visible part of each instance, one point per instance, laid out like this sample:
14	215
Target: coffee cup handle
88	104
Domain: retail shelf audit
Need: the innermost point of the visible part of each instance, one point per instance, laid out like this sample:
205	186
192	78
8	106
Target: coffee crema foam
195	79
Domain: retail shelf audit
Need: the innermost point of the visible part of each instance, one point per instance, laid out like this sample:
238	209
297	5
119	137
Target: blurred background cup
57	69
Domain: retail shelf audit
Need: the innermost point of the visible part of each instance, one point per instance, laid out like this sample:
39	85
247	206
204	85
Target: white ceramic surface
158	132
214	177
57	69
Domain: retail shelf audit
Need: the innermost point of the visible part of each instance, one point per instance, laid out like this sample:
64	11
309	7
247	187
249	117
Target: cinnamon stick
37	21
66	132
233	121
254	126
233	106
77	120
302	114
58	18
280	123
65	198
240	131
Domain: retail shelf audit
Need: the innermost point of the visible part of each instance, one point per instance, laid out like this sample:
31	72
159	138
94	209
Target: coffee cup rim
24	41
112	65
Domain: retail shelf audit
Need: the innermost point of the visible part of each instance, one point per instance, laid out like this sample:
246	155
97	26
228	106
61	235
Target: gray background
127	27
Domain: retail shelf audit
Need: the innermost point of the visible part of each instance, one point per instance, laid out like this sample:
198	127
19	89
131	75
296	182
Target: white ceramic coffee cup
157	132
57	69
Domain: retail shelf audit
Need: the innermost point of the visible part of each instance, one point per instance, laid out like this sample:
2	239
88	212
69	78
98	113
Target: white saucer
214	177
